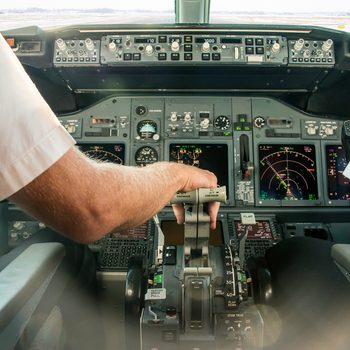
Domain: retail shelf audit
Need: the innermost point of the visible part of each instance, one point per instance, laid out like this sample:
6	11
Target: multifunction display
108	153
338	184
288	172
260	230
212	157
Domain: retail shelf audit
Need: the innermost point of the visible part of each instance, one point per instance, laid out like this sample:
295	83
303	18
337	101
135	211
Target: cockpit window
333	14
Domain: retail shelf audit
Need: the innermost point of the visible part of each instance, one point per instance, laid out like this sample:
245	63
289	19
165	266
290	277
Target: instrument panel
265	152
201	47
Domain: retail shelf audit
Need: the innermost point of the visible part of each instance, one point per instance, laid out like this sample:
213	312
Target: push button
205	56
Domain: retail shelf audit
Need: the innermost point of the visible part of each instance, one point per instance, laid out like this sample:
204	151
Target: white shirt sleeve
31	137
346	171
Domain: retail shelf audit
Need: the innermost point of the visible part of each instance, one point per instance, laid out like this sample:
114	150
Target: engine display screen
107	153
212	157
338	184
260	230
287	172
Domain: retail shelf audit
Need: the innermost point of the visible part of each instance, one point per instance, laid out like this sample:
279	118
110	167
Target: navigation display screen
260	230
287	172
338	184
107	153
212	157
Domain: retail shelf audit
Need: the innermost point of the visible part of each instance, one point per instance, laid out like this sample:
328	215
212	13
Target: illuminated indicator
11	42
107	153
287	172
260	230
146	129
213	157
146	155
338	184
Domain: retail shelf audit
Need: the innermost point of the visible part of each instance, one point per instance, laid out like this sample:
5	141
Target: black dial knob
222	122
141	110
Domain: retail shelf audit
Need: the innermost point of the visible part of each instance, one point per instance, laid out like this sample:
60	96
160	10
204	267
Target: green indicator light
227	133
238	128
158	279
242	119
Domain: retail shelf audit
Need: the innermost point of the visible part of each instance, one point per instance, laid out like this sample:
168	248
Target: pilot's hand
213	209
194	178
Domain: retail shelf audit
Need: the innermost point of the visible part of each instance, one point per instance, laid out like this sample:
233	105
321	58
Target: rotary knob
205	123
173	117
206	47
175	46
299	44
259	122
276	47
311	129
327	45
89	44
187	117
112	46
61	44
149	50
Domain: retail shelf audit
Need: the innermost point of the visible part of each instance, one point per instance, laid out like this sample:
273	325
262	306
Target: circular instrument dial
222	122
146	155
146	129
101	155
287	172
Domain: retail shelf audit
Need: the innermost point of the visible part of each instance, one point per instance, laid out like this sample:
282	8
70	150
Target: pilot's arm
43	173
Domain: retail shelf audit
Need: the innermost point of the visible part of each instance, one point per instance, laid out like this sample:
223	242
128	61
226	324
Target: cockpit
262	105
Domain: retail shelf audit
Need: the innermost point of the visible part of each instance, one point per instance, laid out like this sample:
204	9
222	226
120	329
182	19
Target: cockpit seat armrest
341	255
26	277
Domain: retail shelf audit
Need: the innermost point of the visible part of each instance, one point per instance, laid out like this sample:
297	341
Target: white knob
205	123
187	117
173	117
61	44
299	44
71	129
327	45
149	50
276	47
329	131
112	46
311	130
18	225
156	137
89	44
206	47
175	46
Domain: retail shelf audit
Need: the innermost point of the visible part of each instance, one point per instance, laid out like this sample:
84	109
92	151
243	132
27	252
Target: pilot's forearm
85	200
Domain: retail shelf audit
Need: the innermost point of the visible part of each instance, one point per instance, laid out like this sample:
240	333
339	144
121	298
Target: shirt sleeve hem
35	161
